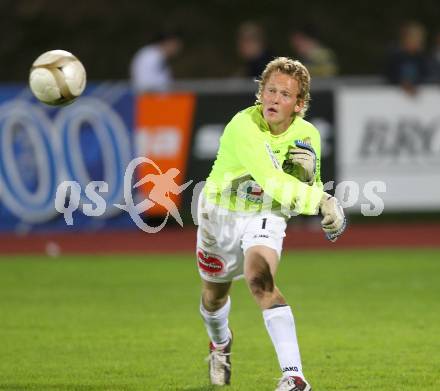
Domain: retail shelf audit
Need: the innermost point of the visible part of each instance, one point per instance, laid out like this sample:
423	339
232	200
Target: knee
261	284
260	279
212	301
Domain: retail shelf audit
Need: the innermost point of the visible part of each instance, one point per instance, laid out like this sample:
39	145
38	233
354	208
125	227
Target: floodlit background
103	305
106	34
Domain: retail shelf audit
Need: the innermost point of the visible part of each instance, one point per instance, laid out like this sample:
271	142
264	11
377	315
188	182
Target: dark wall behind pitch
106	33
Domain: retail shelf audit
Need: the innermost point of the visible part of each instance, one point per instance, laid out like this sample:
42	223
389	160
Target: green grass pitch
366	320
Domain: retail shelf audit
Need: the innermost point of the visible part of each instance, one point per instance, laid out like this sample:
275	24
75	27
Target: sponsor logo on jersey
275	162
210	263
251	191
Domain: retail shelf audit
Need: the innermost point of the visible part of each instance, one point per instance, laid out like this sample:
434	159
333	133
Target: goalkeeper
267	169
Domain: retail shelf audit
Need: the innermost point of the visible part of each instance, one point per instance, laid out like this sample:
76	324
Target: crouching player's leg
214	308
260	266
217	262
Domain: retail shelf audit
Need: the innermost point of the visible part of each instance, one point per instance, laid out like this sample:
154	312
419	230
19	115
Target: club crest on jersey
210	263
251	191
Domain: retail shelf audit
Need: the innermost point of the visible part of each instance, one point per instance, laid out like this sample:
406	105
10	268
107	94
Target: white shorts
223	236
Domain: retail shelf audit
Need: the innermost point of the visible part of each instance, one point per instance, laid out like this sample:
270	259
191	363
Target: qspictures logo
162	185
68	196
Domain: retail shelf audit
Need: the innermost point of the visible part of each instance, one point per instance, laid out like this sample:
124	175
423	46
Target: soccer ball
57	78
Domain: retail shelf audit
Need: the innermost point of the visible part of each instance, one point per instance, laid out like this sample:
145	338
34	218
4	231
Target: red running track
174	240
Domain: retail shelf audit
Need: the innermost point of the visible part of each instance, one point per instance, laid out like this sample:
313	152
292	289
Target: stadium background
376	287
358	32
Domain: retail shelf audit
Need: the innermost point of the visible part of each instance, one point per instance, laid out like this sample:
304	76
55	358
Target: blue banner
42	146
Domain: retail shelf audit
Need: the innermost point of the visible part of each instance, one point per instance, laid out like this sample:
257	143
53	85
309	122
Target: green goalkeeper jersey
247	175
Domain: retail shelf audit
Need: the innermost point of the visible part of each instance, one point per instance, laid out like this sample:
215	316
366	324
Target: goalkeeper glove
301	162
334	221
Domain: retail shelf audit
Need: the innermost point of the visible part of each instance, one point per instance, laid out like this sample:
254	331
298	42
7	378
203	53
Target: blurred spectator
435	59
319	60
407	64
252	49
150	70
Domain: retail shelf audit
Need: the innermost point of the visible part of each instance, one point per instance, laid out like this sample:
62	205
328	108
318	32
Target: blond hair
292	68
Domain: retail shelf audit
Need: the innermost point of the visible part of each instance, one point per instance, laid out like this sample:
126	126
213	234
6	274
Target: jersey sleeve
255	154
315	141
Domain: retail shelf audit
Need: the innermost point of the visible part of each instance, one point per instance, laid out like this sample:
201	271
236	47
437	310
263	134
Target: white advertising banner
389	139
